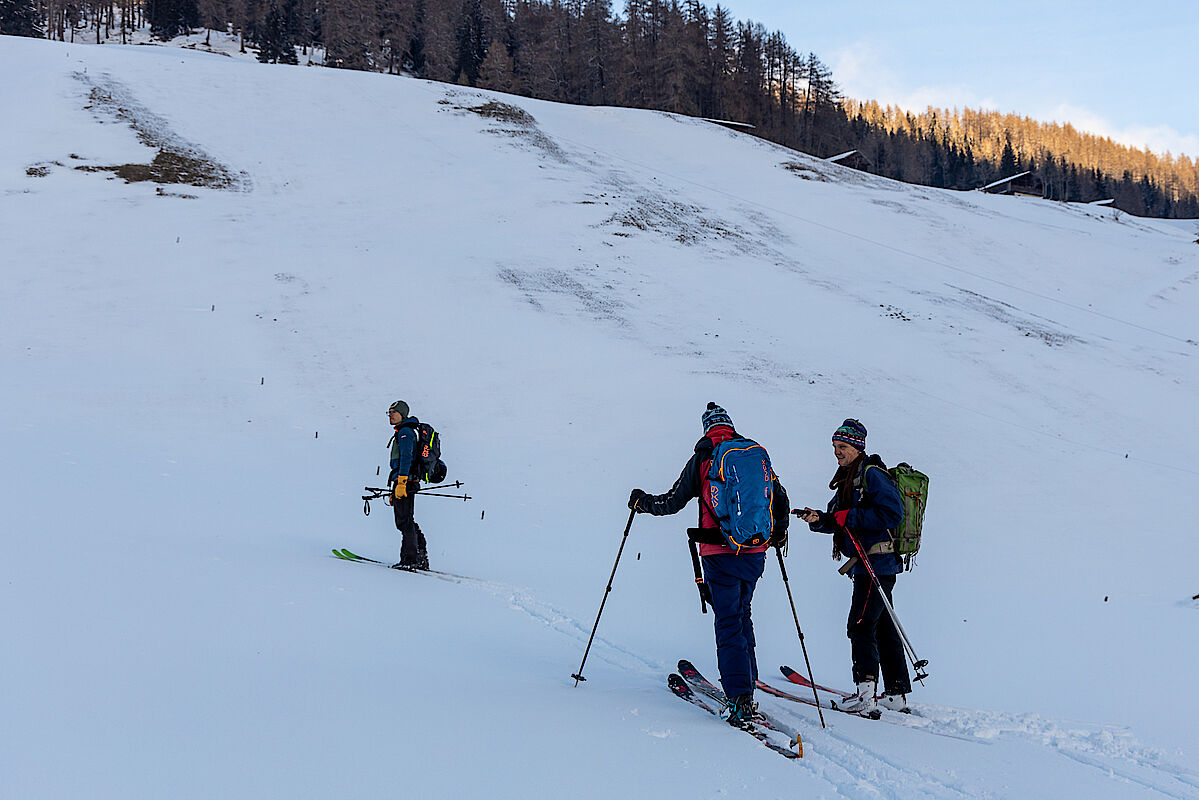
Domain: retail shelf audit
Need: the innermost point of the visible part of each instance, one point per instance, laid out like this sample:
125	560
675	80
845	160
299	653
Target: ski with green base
346	555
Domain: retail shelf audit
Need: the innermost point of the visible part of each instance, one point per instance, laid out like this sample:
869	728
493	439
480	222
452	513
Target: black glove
779	538
823	518
635	497
413	487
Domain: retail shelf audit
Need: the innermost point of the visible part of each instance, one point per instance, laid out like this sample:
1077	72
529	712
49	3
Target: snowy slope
196	381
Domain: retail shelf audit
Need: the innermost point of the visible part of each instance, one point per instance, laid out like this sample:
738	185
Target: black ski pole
454	485
578	676
798	630
380	493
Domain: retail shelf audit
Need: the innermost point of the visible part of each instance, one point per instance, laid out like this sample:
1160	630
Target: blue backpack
741	491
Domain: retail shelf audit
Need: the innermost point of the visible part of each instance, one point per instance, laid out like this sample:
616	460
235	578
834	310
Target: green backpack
913	493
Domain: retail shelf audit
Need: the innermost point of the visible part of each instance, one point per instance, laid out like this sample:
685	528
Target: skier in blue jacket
866	507
402	480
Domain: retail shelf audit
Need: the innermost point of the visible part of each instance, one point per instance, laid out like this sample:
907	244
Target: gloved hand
779	538
821	518
635	497
808	515
413	487
400	491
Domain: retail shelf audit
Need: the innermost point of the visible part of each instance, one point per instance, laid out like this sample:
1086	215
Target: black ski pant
874	641
412	545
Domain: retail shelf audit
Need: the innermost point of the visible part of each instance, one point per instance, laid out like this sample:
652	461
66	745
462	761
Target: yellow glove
401	487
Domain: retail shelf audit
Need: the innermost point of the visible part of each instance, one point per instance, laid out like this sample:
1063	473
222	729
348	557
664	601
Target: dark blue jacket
875	509
403	449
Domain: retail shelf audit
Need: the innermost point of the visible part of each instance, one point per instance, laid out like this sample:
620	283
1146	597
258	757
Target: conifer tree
473	39
275	37
1007	162
20	18
414	55
171	18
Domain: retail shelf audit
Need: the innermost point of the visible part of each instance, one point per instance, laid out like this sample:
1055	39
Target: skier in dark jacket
402	480
867	505
729	576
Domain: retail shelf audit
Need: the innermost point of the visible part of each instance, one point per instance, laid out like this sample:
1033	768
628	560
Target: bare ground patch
567	292
1010	315
686	224
177	160
509	121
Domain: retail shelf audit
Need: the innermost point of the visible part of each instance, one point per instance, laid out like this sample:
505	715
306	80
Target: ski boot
863	703
895	701
741	710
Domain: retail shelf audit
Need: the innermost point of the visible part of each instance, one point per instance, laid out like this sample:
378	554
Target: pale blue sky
1128	70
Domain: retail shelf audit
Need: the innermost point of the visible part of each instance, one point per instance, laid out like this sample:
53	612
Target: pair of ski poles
377	493
578	676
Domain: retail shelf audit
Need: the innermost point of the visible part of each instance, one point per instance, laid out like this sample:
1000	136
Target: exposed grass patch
176	162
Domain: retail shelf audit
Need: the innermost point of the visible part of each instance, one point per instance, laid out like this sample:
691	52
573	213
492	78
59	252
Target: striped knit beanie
853	433
715	415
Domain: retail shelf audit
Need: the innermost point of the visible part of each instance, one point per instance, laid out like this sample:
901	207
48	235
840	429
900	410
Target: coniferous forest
670	55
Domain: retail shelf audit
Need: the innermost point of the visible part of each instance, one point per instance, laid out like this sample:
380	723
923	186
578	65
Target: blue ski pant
731	579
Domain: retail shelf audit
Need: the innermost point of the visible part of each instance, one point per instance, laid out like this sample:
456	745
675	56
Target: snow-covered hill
196	379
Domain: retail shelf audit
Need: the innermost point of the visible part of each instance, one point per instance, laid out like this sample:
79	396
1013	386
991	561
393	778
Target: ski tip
686	666
678	685
787	671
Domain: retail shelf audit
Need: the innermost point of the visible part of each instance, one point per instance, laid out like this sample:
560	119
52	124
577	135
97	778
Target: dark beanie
400	407
715	415
853	433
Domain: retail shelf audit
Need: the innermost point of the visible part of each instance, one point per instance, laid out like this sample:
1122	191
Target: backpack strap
707	536
859	482
705	593
881	547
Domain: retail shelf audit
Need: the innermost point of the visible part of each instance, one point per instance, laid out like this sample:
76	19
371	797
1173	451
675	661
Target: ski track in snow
853	769
548	615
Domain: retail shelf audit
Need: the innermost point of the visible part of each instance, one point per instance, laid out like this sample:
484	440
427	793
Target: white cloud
1158	138
863	72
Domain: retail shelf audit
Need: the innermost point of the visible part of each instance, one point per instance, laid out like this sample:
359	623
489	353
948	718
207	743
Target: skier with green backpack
875	517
